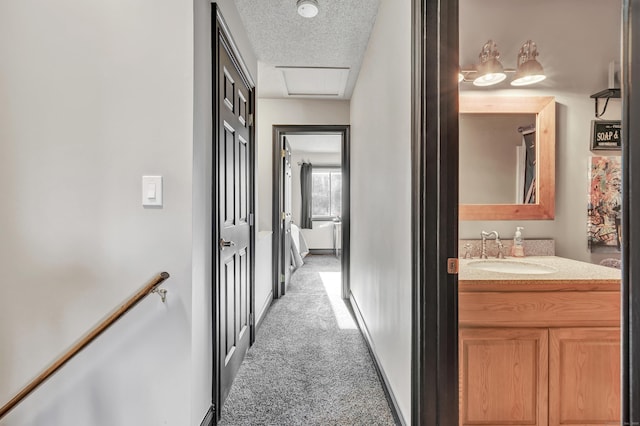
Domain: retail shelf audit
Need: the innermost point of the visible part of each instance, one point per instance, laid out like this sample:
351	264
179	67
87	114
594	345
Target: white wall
95	95
321	235
380	195
576	58
264	292
201	351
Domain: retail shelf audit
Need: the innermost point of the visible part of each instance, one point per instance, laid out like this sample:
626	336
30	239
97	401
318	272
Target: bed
299	248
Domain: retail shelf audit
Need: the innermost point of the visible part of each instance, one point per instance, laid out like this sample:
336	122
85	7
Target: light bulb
307	8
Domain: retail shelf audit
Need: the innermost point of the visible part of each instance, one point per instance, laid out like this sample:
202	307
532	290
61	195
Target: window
326	193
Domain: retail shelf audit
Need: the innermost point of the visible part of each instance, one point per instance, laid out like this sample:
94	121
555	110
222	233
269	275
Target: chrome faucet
486	235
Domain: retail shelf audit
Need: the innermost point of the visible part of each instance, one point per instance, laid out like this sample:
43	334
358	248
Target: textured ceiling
336	37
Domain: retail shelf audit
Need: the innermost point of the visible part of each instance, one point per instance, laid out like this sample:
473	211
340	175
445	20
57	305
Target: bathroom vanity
539	342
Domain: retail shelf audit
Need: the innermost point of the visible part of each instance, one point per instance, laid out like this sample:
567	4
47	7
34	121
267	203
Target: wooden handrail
84	341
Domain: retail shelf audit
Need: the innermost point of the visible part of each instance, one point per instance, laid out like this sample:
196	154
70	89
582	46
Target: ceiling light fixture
307	8
489	70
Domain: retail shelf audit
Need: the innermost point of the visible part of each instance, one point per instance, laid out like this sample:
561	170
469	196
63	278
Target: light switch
152	190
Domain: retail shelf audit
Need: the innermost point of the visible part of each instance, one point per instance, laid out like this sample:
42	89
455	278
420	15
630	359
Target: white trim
265	308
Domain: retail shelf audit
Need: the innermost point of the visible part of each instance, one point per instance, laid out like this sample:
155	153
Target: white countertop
567	270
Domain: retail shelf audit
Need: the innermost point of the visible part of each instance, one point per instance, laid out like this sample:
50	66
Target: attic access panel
315	81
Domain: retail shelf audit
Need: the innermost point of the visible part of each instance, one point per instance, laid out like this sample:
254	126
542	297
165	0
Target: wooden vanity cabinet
519	368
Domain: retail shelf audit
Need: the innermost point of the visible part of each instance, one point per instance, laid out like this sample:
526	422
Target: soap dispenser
517	250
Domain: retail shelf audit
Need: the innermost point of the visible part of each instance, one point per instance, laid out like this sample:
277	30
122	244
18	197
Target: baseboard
393	403
265	308
322	251
209	418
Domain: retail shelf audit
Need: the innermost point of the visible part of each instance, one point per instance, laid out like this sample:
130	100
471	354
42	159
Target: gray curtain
305	186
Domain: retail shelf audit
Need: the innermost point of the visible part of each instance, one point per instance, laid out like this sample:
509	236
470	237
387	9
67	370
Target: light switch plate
152	191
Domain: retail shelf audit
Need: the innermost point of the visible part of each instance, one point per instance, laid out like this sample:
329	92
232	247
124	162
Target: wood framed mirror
538	199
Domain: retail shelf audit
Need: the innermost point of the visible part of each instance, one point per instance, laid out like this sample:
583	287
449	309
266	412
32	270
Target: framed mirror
513	181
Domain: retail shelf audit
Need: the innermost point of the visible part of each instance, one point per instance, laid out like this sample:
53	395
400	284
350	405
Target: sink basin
507	266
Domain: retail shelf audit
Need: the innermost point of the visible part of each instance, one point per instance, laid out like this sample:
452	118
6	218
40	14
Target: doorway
325	222
552	391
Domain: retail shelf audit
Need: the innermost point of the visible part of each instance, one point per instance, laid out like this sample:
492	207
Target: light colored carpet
309	364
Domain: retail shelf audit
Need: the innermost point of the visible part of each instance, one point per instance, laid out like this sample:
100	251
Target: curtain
305	186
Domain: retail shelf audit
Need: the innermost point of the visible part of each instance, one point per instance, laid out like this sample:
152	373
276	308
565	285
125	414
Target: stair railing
150	287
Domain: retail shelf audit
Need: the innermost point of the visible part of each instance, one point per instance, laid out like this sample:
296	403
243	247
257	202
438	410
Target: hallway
309	364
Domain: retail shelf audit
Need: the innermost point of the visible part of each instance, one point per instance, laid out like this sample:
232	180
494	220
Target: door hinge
281	278
250	219
251	320
250	119
283	153
452	265
283	215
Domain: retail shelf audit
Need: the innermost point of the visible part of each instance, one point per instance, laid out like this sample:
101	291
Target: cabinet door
584	376
503	376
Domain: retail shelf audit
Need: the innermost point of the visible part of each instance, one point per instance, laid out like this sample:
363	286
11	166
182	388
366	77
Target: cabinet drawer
539	309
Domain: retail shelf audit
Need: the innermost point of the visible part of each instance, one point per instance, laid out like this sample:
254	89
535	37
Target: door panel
584	376
243	297
227	174
503	377
243	153
228	89
229	307
242	109
233	221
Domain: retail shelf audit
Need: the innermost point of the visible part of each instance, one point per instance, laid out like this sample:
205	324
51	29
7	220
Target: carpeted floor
309	364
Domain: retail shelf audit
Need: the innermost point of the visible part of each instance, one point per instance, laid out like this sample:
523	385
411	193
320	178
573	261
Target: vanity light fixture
307	8
529	69
489	70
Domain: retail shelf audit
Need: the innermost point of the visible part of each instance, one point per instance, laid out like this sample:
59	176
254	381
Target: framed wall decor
605	204
606	135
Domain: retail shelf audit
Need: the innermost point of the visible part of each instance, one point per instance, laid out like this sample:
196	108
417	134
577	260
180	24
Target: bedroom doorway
310	203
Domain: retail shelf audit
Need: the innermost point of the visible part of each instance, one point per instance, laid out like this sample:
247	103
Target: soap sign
606	135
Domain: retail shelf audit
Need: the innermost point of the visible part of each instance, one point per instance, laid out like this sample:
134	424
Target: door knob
224	243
